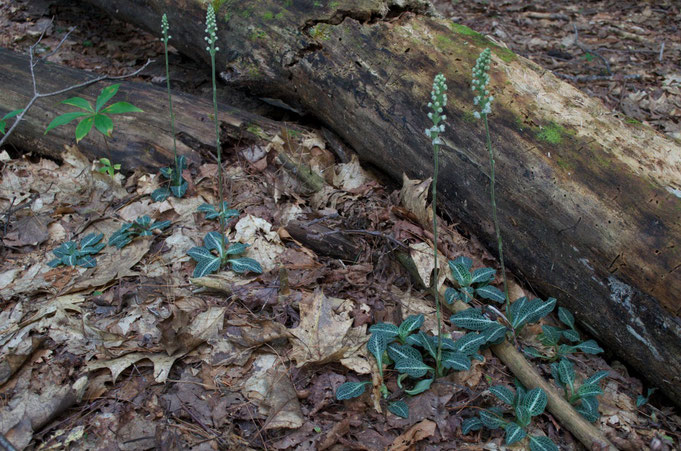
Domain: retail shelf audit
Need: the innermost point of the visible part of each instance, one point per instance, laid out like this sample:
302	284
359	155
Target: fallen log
139	139
590	206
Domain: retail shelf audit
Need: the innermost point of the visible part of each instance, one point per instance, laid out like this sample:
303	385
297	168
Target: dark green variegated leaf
451	295
483	275
550	335
596	377
160	194
533	352
535	401
214	241
398	352
495	333
588	408
410	324
520	393
54	263
70	260
522	415
504	393
491	293
91	250
466	294
641	400
589	347
589	390
566	317
377	345
350	390
166	172
91	239
413	340
464	261
556	375
456	361
571	335
527	312
389	330
245	264
541	443
566	372
492	418
206	208
564	350
471	424
206	262
516	306
87	261
427	344
460	274
420	387
514	433
469	343
160	225
448	344
399	408
180	189
544	309
414	368
471	319
236	248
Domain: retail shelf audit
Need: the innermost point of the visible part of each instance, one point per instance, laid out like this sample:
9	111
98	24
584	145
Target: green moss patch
505	54
551	133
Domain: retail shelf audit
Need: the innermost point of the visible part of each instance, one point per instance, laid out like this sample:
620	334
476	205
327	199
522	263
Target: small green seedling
142	226
222	214
108	168
70	254
217	253
582	397
515	417
551	337
471	285
643	400
10	115
97	117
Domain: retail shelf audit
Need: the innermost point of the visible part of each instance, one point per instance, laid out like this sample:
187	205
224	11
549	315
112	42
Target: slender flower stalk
483	100
166	37
211	39
438	101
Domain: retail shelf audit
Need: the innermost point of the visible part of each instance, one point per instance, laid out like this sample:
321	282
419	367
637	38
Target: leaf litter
134	354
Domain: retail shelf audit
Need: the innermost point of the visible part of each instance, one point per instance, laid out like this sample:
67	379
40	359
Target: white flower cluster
164	29
211	30
480	81
438	101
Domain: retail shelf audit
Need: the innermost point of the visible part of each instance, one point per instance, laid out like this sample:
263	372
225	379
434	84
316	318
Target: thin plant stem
217	143
494	216
438	359
170	105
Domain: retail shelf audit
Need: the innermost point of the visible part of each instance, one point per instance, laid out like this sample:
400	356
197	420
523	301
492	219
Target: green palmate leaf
105	95
541	443
588	408
389	330
160	194
535	401
471	424
84	127
469	343
420	387
397	352
566	317
377	345
456	361
589	390
504	393
451	295
566	373
245	264
121	108
492	418
589	347
399	408
550	335
410	324
460	273
596	377
104	124
522	415
64	119
237	248
79	102
494	333
491	293
471	319
414	368
514	433
571	335
466	262
483	275
350	390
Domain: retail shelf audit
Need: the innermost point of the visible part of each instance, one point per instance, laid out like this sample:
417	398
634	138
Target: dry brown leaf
162	364
422	255
348	176
414	197
416	433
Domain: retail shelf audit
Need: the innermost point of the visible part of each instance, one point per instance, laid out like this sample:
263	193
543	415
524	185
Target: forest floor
132	355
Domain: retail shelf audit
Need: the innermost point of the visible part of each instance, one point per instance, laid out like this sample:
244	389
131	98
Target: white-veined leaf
517	305
494	333
214	241
471	424
535	401
414	368
566	317
350	390
492	418
236	248
491	293
399	408
427	344
483	275
504	393
410	324
464	261
160	194
522	415
550	335
398	352
471	319
566	372
589	390
590	347
87	261
451	295
572	335
544	308
91	239
541	443
377	345
514	433
456	361
469	343
389	330
596	377
245	264
461	274
588	408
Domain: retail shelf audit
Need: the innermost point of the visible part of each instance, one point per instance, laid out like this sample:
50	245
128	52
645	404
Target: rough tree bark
590	206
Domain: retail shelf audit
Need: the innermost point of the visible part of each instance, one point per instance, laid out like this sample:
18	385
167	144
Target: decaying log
590	206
